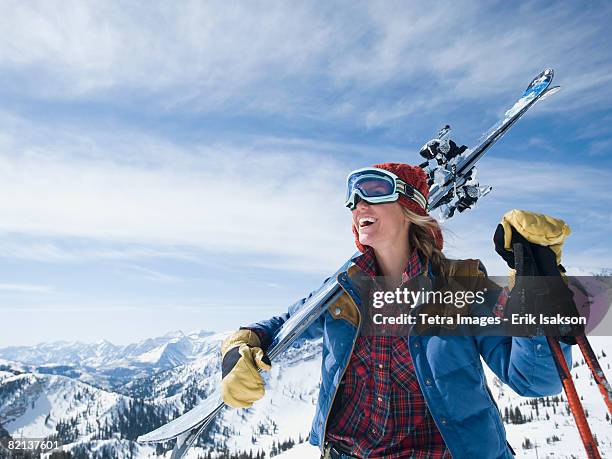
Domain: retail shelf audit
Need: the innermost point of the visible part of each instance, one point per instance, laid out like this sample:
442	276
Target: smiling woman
408	395
385	214
385	226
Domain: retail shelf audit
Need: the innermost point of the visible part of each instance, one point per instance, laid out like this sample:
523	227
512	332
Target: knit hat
416	177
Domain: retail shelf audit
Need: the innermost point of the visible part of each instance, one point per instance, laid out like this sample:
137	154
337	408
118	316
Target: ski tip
553	89
143	439
153	437
539	84
550	92
545	75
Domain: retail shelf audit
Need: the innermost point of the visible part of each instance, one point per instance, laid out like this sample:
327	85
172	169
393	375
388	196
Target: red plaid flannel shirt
379	410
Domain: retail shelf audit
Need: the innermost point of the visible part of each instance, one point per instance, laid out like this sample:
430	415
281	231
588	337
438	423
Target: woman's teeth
366	221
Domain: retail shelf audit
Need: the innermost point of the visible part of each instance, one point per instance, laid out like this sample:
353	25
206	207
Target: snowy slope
97	422
32	404
286	412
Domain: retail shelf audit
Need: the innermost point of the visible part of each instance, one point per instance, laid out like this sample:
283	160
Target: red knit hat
416	177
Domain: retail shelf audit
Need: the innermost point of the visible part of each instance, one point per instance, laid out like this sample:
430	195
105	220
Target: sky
173	166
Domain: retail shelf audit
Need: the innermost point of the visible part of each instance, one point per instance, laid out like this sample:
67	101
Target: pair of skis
452	186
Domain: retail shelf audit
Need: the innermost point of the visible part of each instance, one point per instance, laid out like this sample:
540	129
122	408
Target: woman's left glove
531	245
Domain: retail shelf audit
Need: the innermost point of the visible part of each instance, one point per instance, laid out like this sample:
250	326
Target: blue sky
182	167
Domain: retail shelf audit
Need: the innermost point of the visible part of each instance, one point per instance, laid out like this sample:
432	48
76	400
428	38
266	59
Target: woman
418	396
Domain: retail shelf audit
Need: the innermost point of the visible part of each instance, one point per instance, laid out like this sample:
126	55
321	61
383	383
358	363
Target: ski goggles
377	186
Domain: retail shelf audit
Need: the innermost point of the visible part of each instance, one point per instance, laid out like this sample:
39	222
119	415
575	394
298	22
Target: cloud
368	62
600	147
169	141
133	194
48	249
207	49
171	200
25	288
154	275
277	203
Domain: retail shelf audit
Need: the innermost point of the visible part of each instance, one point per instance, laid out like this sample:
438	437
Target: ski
452	185
450	177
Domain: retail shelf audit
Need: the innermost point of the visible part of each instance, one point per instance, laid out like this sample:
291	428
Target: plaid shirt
379	410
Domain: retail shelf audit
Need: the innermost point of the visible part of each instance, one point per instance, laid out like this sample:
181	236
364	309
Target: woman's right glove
241	383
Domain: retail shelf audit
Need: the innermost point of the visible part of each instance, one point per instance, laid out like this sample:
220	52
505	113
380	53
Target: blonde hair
421	236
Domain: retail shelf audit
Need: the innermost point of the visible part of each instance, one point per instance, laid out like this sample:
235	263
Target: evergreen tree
527	444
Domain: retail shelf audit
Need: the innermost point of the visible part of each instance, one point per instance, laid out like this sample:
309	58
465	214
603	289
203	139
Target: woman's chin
366	239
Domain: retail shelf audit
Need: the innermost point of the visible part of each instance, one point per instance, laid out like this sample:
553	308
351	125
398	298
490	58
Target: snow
152	356
172	349
43	400
301	451
285	412
185	422
32	423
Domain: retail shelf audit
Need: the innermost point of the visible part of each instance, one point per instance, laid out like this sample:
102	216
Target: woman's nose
361	204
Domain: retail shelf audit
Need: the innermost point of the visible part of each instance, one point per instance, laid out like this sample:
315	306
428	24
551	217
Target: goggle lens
371	185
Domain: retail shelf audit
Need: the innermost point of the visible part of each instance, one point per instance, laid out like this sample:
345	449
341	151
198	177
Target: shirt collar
367	263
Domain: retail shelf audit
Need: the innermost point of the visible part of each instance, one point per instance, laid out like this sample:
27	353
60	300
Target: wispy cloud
306	59
600	147
25	288
154	275
222	199
183	202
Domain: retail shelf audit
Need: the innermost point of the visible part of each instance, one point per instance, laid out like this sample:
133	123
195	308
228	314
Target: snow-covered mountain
172	349
107	365
99	414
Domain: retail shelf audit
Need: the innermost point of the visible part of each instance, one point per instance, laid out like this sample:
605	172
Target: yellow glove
538	229
241	383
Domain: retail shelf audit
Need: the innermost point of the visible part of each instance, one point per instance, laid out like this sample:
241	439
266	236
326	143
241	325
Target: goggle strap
412	193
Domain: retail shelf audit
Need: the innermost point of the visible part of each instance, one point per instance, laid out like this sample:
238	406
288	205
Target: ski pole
573	400
598	374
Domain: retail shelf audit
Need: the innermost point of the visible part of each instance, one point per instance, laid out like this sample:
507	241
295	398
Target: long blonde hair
421	236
